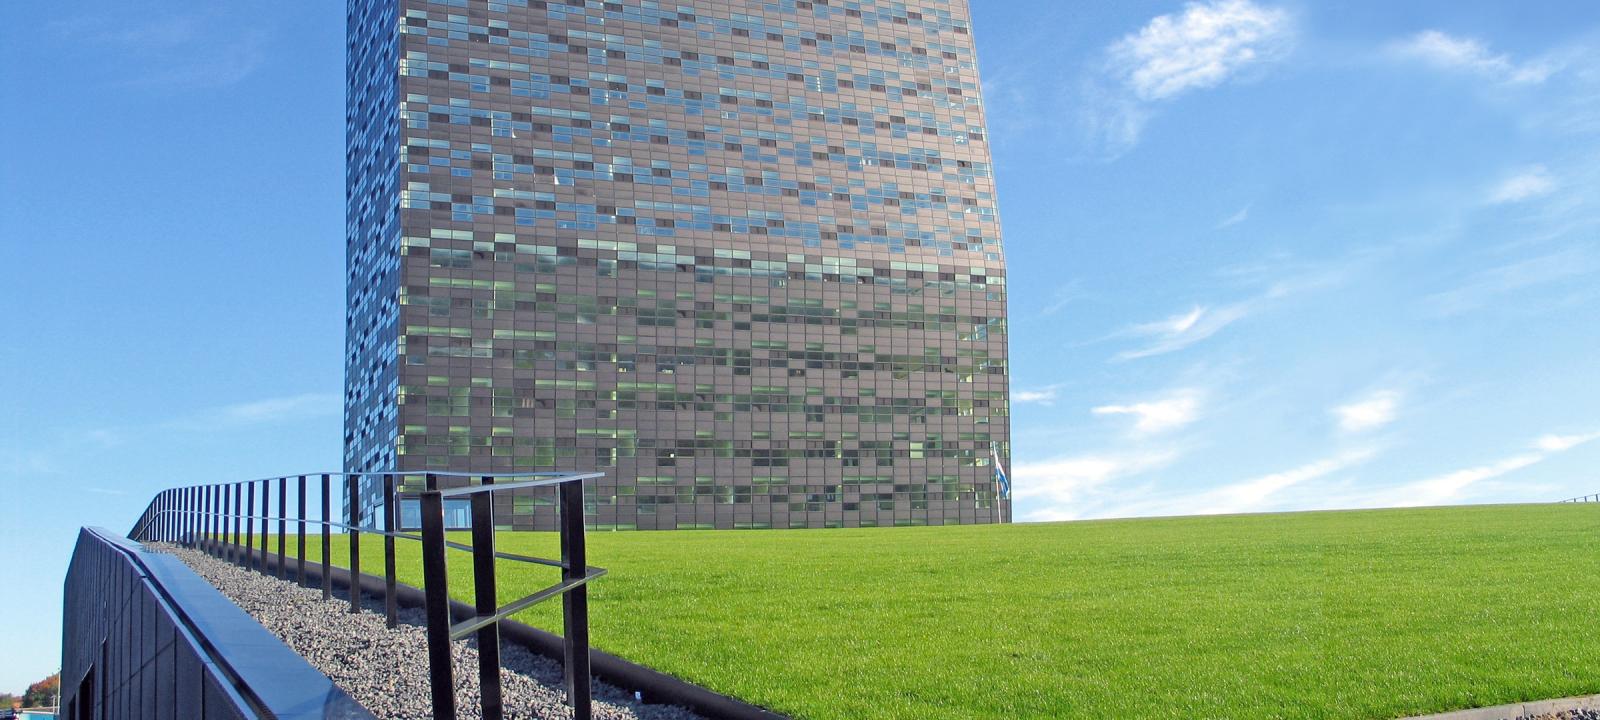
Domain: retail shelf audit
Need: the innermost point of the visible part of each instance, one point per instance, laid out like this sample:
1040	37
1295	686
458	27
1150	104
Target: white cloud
1562	443
284	408
1530	182
1254	494
1458	484
1442	489
1371	412
1199	48
1444	51
1159	416
1057	488
1045	396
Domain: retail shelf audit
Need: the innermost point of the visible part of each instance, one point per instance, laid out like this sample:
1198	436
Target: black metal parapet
180	516
145	637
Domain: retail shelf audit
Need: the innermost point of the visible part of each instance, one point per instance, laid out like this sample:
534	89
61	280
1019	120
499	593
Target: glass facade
744	257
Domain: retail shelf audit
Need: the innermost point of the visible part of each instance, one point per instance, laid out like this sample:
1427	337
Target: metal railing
221	519
1583	499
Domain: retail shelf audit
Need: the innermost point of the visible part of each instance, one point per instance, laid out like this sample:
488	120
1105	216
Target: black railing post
249	525
190	514
204	538
486	602
216	520
575	602
283	527
266	515
207	519
226	547
391	604
239	557
436	594
300	538
327	537
352	486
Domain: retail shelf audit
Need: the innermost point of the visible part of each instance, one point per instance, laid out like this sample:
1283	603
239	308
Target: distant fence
1583	499
222	519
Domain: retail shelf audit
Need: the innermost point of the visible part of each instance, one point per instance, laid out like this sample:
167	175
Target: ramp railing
221	519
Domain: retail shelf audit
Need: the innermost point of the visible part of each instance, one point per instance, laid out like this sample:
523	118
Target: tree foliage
43	693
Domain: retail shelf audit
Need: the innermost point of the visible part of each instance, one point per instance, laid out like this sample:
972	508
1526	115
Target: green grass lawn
1319	615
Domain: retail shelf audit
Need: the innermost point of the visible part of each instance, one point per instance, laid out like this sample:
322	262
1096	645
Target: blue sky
1264	256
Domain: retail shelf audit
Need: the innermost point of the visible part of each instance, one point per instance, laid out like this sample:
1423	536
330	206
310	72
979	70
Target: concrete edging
653	686
1516	711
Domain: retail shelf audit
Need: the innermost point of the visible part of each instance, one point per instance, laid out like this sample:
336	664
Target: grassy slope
1319	615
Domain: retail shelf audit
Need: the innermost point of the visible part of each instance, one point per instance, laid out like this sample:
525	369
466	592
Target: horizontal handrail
453	545
467	627
403	473
1583	498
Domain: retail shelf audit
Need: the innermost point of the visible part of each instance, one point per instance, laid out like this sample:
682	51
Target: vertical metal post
487	601
327	537
436	593
266	515
211	520
283	527
191	516
228	491
391	606
300	544
249	524
575	602
352	486
207	517
219	519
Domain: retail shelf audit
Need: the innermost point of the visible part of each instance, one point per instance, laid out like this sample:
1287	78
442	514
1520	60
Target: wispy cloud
1563	443
1458	485
1235	219
1201	47
1527	183
1256	494
1158	416
1064	295
280	409
1042	396
1056	488
183	49
1369	413
1445	51
1185	329
1487	286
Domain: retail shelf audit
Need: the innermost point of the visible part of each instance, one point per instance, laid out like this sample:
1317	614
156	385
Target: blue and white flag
1000	478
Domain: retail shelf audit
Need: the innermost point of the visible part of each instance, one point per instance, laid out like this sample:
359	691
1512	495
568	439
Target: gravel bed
386	670
1567	715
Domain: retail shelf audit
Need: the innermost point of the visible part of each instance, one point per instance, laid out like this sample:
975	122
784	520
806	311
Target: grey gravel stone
386	670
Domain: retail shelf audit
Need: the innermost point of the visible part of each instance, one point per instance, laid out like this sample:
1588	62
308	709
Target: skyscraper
743	256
